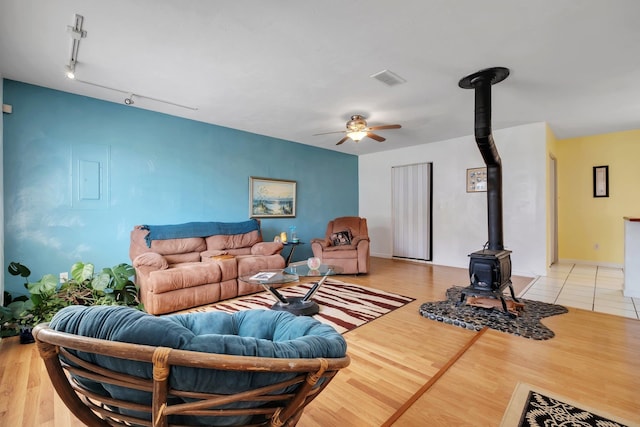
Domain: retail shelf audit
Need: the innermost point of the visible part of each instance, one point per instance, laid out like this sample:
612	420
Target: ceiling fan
357	129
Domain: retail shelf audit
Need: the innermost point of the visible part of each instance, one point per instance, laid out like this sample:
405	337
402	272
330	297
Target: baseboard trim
594	263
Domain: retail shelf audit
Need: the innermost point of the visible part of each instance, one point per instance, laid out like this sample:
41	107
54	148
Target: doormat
532	407
527	324
344	306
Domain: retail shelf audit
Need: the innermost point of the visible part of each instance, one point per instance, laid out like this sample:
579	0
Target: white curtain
412	211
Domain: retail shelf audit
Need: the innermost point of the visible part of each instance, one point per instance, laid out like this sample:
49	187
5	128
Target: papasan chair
117	366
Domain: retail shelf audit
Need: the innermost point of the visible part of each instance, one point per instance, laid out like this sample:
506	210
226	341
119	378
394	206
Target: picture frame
601	181
476	180
272	198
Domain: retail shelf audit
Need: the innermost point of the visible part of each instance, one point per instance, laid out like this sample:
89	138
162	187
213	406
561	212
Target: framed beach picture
271	198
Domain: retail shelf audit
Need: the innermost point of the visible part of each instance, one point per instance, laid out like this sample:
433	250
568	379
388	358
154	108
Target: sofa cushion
343	251
179	246
182	258
185	275
233	241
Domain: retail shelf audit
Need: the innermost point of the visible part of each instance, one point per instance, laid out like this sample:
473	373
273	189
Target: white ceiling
290	69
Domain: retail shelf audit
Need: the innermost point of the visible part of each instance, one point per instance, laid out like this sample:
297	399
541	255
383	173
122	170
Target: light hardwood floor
594	359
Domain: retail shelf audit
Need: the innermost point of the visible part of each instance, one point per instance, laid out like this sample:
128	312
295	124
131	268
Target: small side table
293	248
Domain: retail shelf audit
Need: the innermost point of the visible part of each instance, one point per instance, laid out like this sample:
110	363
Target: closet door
411	205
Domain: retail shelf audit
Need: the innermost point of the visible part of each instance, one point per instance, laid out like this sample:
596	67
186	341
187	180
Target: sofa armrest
266	248
151	259
359	239
324	243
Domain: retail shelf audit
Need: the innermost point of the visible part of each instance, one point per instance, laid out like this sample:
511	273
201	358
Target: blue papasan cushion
262	333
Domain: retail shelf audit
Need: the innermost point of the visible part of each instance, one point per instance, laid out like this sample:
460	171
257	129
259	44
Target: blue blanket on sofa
198	229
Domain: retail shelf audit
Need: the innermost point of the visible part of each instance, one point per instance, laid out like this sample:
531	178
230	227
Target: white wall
460	218
1	197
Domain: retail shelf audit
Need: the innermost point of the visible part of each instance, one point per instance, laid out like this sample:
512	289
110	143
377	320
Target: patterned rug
344	306
534	407
527	324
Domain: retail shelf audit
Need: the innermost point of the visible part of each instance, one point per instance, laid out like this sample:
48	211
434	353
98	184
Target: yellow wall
592	229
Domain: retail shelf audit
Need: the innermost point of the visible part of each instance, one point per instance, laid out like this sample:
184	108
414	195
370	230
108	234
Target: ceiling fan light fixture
357	136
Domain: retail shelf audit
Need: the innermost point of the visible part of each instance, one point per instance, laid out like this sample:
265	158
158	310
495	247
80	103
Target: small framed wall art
271	198
476	180
601	181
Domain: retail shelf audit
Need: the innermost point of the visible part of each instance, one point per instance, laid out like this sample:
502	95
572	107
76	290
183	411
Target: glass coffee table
302	269
300	306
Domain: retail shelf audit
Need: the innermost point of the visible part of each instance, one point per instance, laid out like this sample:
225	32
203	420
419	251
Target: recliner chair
345	245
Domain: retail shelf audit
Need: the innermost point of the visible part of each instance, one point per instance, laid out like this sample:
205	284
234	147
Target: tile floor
584	286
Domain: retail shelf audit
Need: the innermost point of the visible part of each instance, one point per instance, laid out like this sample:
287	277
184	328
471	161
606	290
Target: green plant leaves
101	282
81	271
45	286
17	269
85	287
20	308
5	315
120	275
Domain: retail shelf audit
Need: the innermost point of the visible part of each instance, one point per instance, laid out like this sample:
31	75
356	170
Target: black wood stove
489	268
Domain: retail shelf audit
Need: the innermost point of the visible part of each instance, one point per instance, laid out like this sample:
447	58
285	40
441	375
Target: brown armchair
346	245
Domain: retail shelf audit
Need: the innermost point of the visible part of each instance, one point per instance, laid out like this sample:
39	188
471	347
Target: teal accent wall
155	169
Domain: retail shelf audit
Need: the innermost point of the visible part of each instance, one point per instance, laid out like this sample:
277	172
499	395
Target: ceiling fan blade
376	137
384	127
342	140
327	133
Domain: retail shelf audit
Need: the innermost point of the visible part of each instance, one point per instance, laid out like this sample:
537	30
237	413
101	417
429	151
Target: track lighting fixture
129	95
77	33
70	70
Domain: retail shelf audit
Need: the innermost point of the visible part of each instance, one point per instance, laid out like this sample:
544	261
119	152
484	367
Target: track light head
70	71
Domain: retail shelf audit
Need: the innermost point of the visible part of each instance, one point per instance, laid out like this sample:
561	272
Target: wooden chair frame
97	410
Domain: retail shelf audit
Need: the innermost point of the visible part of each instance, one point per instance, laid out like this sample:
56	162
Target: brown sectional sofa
176	273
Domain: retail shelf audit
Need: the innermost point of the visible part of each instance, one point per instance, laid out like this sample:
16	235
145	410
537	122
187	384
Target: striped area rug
344	306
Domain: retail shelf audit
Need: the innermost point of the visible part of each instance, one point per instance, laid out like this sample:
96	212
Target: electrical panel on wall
90	176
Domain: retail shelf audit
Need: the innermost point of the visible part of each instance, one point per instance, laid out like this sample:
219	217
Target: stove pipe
481	82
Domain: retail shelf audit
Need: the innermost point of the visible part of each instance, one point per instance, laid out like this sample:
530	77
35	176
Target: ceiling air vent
389	78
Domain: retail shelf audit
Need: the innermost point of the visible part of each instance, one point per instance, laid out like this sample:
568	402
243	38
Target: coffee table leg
298	307
293	248
273	291
314	288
